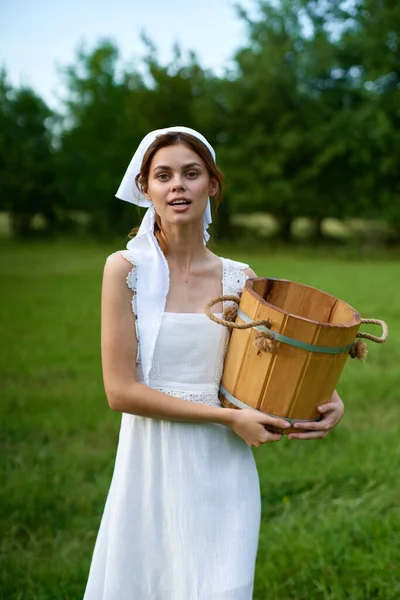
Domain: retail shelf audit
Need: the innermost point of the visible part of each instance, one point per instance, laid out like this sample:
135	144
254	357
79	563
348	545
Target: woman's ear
214	185
145	192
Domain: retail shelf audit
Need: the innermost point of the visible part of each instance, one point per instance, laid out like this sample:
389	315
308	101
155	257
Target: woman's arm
126	394
250	273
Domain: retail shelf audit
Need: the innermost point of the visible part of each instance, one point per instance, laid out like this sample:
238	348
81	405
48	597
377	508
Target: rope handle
267	323
374	338
230	324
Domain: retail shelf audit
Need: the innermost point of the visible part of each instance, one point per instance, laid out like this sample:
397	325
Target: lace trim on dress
131	282
131	279
155	367
209	398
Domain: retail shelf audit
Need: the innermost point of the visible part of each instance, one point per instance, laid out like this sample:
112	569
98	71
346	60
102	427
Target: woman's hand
251	425
331	412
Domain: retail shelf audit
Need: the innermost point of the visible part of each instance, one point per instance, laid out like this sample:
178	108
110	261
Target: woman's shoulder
120	266
120	260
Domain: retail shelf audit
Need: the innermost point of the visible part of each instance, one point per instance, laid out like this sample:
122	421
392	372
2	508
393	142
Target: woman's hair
194	144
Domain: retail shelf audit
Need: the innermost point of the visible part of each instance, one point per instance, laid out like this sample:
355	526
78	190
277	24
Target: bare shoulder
117	266
250	273
118	278
212	258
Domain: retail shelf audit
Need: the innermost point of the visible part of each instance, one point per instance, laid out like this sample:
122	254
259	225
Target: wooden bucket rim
249	288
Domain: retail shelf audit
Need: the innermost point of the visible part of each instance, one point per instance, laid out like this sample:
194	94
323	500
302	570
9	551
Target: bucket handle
264	343
231	324
267	323
374	338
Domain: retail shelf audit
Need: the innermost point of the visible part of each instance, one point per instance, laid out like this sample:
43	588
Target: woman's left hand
331	413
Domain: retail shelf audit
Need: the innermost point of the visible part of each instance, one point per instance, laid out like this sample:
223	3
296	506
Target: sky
38	36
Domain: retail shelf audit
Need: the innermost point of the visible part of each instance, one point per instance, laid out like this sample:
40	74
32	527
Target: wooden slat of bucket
266	361
262	286
282	390
274	294
241	340
323	371
245	369
236	371
302	380
343	313
285	377
316	384
301	300
234	359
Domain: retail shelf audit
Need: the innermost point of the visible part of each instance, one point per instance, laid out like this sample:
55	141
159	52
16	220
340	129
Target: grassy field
331	517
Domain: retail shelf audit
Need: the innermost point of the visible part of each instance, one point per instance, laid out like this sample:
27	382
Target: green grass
331	520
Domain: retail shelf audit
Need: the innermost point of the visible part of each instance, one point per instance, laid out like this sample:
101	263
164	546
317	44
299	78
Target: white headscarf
152	271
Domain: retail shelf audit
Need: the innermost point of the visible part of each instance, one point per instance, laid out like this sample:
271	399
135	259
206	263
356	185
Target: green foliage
95	146
330	507
308	138
27	178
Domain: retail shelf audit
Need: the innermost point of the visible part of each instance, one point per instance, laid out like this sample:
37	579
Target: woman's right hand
251	426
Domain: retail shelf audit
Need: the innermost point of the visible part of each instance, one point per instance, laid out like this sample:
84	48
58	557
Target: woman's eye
191	174
163	176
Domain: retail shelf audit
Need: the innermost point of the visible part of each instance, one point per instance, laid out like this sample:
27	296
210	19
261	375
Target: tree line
305	124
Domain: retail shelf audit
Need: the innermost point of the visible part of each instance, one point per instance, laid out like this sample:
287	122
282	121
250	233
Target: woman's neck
185	248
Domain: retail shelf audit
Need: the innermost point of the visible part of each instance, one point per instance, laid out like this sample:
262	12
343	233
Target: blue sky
38	35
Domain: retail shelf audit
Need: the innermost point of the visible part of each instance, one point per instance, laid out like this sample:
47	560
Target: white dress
182	517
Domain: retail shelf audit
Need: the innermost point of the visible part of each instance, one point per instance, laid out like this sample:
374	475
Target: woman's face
179	185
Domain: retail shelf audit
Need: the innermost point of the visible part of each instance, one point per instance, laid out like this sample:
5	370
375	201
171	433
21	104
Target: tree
27	179
102	116
288	154
372	45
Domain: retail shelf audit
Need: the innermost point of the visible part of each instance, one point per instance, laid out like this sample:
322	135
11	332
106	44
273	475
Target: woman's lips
179	208
182	204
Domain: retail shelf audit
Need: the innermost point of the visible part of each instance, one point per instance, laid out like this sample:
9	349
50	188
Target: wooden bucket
289	358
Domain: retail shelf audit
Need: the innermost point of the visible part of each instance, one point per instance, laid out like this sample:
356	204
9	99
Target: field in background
262	226
331	518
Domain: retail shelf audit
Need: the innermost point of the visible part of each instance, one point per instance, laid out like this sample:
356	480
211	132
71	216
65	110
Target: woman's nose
177	184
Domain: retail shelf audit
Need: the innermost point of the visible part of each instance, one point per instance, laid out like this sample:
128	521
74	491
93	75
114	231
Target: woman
182	516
